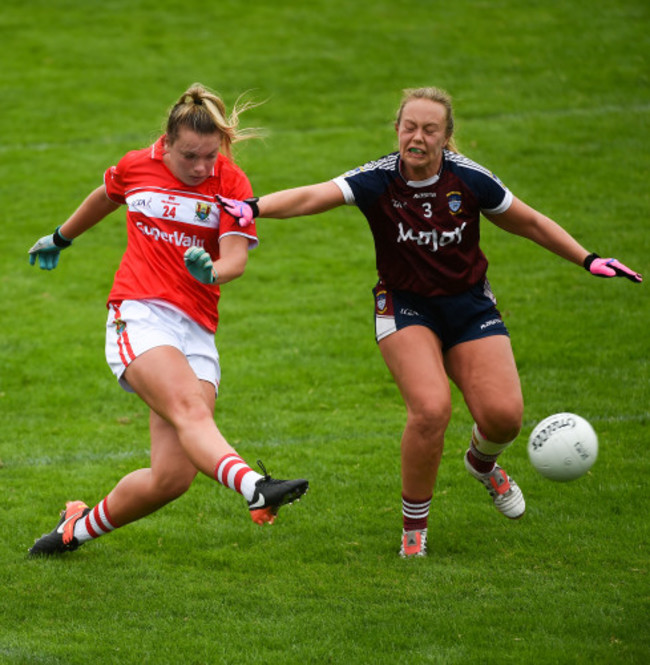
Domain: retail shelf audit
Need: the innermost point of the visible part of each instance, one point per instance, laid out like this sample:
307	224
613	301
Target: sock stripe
416	510
91	526
233	472
106	516
415	514
239	476
97	521
224	467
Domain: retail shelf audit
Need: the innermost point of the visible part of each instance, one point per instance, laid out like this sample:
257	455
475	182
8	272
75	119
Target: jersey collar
157	150
422	183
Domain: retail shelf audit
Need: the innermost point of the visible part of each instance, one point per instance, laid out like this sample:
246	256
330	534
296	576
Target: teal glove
48	249
199	264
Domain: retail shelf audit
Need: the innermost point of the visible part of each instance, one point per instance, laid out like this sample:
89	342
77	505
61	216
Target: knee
502	425
189	410
430	419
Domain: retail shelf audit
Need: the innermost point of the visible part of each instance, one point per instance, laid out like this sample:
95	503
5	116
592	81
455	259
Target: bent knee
170	486
501	427
188	412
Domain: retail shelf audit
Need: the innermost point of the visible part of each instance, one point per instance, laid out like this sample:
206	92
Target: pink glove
243	211
610	268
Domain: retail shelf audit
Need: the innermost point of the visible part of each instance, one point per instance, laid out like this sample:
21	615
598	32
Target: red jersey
164	217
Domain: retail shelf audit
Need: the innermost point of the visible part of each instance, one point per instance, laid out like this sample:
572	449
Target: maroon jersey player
436	317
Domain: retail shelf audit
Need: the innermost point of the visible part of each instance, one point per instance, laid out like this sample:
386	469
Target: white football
563	447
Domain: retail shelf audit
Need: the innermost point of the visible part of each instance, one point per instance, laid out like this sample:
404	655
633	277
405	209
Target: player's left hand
610	268
48	249
199	264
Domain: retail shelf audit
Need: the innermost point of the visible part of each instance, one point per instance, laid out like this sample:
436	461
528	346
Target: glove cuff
589	260
252	202
60	240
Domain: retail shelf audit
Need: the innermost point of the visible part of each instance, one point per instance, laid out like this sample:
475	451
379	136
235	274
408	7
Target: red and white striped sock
233	472
96	523
415	514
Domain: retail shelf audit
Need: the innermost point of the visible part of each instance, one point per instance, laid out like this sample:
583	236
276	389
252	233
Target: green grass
555	98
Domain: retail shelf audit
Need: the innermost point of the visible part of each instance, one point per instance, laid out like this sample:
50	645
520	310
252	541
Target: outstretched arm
307	200
47	249
525	221
96	206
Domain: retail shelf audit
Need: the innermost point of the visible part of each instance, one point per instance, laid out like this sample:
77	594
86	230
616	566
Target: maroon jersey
426	232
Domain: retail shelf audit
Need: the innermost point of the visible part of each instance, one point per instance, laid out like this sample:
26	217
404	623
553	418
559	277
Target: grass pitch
554	97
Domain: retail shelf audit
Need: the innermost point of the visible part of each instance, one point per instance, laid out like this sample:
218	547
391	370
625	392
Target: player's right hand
243	211
47	249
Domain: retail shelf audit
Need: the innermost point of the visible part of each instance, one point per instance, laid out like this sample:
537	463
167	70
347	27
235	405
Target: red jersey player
436	317
163	315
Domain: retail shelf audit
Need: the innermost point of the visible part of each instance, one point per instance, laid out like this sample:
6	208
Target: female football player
435	314
162	318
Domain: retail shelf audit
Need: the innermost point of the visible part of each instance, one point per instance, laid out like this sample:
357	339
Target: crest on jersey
120	326
455	202
202	211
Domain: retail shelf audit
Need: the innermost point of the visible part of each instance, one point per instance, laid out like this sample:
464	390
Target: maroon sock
415	513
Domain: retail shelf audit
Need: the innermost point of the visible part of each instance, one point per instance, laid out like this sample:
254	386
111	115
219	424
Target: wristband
589	260
252	202
60	240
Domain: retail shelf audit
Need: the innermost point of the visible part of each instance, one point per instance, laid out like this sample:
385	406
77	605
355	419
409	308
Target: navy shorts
454	319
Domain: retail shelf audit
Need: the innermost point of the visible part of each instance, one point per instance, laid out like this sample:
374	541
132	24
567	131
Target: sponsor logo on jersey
433	239
424	195
140	204
455	202
178	238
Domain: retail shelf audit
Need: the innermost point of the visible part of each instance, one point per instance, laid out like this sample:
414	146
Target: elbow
240	266
239	271
234	271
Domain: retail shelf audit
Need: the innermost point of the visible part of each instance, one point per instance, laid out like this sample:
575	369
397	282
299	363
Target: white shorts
135	326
